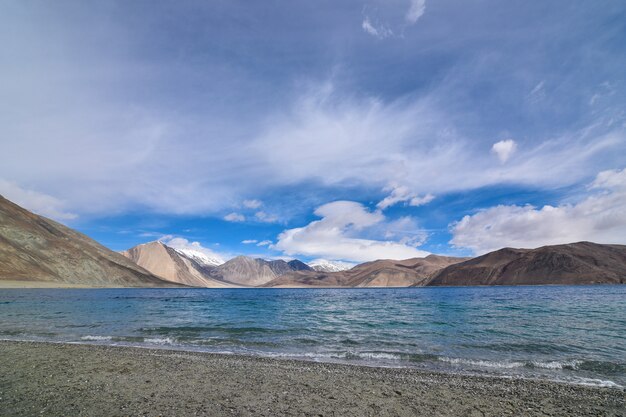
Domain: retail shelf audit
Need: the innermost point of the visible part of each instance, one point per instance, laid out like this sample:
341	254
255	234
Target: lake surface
568	333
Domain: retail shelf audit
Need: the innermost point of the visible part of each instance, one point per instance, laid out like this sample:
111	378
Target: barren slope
173	266
36	249
574	263
381	273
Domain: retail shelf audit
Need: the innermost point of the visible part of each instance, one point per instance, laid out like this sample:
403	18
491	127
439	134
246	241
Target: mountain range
37	251
174	265
180	267
381	273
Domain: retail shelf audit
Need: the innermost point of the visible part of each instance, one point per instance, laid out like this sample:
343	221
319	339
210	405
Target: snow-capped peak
200	257
192	250
324	265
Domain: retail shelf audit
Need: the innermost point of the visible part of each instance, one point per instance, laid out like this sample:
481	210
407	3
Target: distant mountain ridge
34	249
243	270
323	265
381	273
173	265
574	263
189	267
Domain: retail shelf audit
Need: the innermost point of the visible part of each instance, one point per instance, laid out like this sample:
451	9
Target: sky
338	130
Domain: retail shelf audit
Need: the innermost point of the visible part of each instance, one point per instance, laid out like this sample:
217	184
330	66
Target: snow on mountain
192	250
200	257
324	265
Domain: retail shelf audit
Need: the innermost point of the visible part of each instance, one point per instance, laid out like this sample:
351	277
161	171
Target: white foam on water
572	364
160	341
311	355
556	364
482	363
377	355
96	338
592	382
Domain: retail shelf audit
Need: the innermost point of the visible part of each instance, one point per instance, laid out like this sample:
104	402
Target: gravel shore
87	380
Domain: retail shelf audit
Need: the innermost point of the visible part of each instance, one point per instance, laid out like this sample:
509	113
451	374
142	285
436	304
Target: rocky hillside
34	249
178	266
173	265
382	273
575	263
247	271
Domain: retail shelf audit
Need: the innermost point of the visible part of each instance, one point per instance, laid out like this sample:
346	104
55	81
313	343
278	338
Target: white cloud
264	243
538	93
400	194
538	88
265	217
39	203
416	10
420	201
128	158
611	179
249	241
337	138
600	217
404	230
252	204
334	236
380	31
185	245
235	217
388	20
504	149
604	91
108	151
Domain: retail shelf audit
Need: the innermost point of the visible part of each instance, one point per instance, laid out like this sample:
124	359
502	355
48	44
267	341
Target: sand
88	380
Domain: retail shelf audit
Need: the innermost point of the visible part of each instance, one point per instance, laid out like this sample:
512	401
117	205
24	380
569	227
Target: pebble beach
93	380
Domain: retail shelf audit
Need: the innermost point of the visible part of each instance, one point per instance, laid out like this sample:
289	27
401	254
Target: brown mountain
574	263
173	266
381	273
252	272
35	250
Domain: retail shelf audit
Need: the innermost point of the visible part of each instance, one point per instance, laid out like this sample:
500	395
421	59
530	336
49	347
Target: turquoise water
568	333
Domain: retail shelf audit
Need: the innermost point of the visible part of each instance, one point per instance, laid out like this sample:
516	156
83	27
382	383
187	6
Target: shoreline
30	285
94	341
92	379
27	285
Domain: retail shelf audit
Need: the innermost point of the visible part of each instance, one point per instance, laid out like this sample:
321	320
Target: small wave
96	338
335	355
160	341
195	330
481	363
592	382
566	364
374	356
308	355
573	364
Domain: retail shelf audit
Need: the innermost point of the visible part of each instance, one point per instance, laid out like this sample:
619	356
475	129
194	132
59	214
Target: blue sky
345	130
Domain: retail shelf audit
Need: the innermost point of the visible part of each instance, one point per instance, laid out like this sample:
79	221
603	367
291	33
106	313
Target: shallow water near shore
567	333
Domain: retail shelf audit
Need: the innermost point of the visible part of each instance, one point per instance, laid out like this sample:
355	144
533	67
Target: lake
568	333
